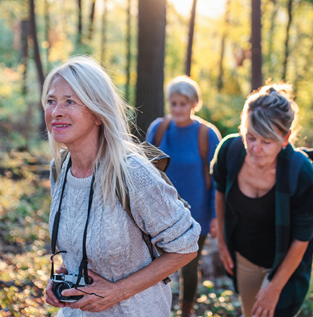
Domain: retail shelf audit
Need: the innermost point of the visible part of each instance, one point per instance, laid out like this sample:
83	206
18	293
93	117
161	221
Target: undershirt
254	236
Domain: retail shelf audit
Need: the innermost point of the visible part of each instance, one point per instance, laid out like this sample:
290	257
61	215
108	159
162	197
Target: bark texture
150	74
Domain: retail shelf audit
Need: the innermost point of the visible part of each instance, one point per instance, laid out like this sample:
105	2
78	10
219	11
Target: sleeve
152	129
218	165
302	205
158	212
214	139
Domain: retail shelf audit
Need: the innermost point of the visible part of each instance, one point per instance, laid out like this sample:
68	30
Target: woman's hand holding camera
50	297
110	294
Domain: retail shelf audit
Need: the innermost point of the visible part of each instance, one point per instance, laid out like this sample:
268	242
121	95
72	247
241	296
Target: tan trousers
250	278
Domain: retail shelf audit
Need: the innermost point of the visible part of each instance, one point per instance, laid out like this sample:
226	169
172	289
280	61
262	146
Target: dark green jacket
294	216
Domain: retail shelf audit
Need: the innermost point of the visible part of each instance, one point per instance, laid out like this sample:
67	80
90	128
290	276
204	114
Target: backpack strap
163	126
203	141
55	173
297	160
146	237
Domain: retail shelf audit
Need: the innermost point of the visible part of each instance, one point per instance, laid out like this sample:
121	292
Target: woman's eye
266	142
50	102
70	102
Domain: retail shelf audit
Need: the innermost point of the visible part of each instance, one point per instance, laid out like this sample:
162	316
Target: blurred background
230	47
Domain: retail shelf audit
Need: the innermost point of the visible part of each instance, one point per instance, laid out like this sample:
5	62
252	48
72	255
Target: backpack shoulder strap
55	173
163	126
297	160
146	237
203	141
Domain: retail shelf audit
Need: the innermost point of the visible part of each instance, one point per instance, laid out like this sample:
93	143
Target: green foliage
24	236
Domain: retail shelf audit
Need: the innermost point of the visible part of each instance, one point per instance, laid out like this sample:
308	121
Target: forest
142	44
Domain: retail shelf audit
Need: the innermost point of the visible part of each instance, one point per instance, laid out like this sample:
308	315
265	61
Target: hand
111	293
267	299
50	297
213	228
225	257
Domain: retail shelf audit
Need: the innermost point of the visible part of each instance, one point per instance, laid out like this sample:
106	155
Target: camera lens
61	287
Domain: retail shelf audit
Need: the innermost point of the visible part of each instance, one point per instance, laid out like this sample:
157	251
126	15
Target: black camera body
60	282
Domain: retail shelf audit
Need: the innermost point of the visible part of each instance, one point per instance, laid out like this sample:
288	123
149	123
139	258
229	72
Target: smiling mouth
61	125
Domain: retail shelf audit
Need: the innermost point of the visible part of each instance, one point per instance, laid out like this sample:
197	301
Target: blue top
186	169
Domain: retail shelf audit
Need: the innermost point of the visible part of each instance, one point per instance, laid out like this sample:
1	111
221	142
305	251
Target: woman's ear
286	139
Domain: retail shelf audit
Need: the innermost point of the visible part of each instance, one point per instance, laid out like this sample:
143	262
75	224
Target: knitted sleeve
158	212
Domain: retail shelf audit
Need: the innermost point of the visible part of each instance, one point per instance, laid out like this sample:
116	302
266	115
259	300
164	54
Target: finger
55	303
73	292
61	269
81	303
258	312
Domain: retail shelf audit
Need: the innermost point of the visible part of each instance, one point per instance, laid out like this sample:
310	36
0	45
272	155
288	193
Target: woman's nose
257	147
58	111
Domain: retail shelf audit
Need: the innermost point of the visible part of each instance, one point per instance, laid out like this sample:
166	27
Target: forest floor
25	246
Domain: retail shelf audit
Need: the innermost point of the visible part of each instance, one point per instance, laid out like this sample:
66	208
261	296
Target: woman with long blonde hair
107	268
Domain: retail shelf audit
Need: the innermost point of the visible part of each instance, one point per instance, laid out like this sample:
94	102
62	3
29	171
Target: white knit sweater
115	247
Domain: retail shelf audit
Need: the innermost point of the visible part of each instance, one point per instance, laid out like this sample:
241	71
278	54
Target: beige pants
60	314
250	278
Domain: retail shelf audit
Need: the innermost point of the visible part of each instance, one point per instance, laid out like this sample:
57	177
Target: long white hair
97	92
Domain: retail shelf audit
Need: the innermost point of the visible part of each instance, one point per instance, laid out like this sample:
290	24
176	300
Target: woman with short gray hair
264	206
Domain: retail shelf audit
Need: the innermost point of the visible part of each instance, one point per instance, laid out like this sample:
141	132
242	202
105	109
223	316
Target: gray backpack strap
55	172
297	160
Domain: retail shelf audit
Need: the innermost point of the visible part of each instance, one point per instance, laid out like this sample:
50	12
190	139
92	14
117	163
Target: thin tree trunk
24	53
41	78
220	80
256	51
150	74
287	40
80	24
271	35
128	48
47	27
91	19
103	30
190	37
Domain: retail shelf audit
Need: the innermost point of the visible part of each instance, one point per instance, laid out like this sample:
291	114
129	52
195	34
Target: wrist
121	290
276	286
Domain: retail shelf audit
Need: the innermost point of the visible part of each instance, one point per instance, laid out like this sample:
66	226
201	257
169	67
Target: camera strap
84	261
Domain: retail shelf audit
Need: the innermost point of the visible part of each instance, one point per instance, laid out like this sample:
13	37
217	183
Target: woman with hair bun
264	206
101	173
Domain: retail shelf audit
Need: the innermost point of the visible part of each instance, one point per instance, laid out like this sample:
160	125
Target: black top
254	236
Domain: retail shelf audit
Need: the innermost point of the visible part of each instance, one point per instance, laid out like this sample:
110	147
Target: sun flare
210	8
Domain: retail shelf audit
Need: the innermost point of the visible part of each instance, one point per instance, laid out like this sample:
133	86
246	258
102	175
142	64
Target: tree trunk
103	30
80	24
150	65
190	37
128	49
91	19
220	82
41	78
270	37
256	51
47	27
24	53
287	40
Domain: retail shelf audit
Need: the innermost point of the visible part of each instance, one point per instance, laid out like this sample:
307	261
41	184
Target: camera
60	282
